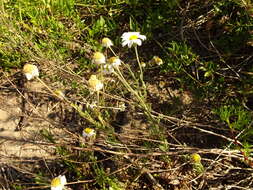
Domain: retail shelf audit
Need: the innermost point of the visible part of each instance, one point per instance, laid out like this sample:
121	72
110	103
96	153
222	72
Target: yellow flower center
106	41
157	59
196	158
94	82
93	77
88	130
98	55
133	37
112	59
56	182
29	68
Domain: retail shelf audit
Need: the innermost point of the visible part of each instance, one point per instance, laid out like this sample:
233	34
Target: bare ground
27	110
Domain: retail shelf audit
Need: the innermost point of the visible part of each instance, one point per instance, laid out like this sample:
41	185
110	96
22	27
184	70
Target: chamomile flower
114	61
157	60
30	71
94	83
132	38
89	133
143	64
106	42
58	183
107	69
98	58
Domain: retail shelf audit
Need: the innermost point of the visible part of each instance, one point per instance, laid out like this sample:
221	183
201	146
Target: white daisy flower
98	58
108	69
30	71
106	42
89	133
114	61
132	38
94	83
58	183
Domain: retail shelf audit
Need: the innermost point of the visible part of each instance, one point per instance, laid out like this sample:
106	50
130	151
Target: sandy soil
19	110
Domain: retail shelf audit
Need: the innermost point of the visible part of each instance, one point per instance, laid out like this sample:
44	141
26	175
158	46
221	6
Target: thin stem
139	63
112	51
131	72
101	72
127	66
125	83
50	90
98	97
141	74
86	115
102	79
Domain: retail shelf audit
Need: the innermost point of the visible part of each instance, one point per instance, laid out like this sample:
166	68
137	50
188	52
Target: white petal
135	33
125	35
36	73
138	42
116	63
63	179
99	86
124	43
130	44
28	76
57	188
143	37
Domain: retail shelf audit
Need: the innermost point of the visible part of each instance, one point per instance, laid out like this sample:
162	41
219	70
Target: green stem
98	97
86	115
131	72
139	63
112	52
142	102
50	90
127	66
141	74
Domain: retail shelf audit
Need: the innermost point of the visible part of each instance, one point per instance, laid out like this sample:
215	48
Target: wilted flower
60	94
98	58
30	71
131	38
143	64
114	61
89	133
122	106
58	183
198	168
106	42
108	69
157	60
94	83
92	105
196	158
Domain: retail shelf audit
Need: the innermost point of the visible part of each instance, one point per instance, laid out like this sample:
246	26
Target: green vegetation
148	116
